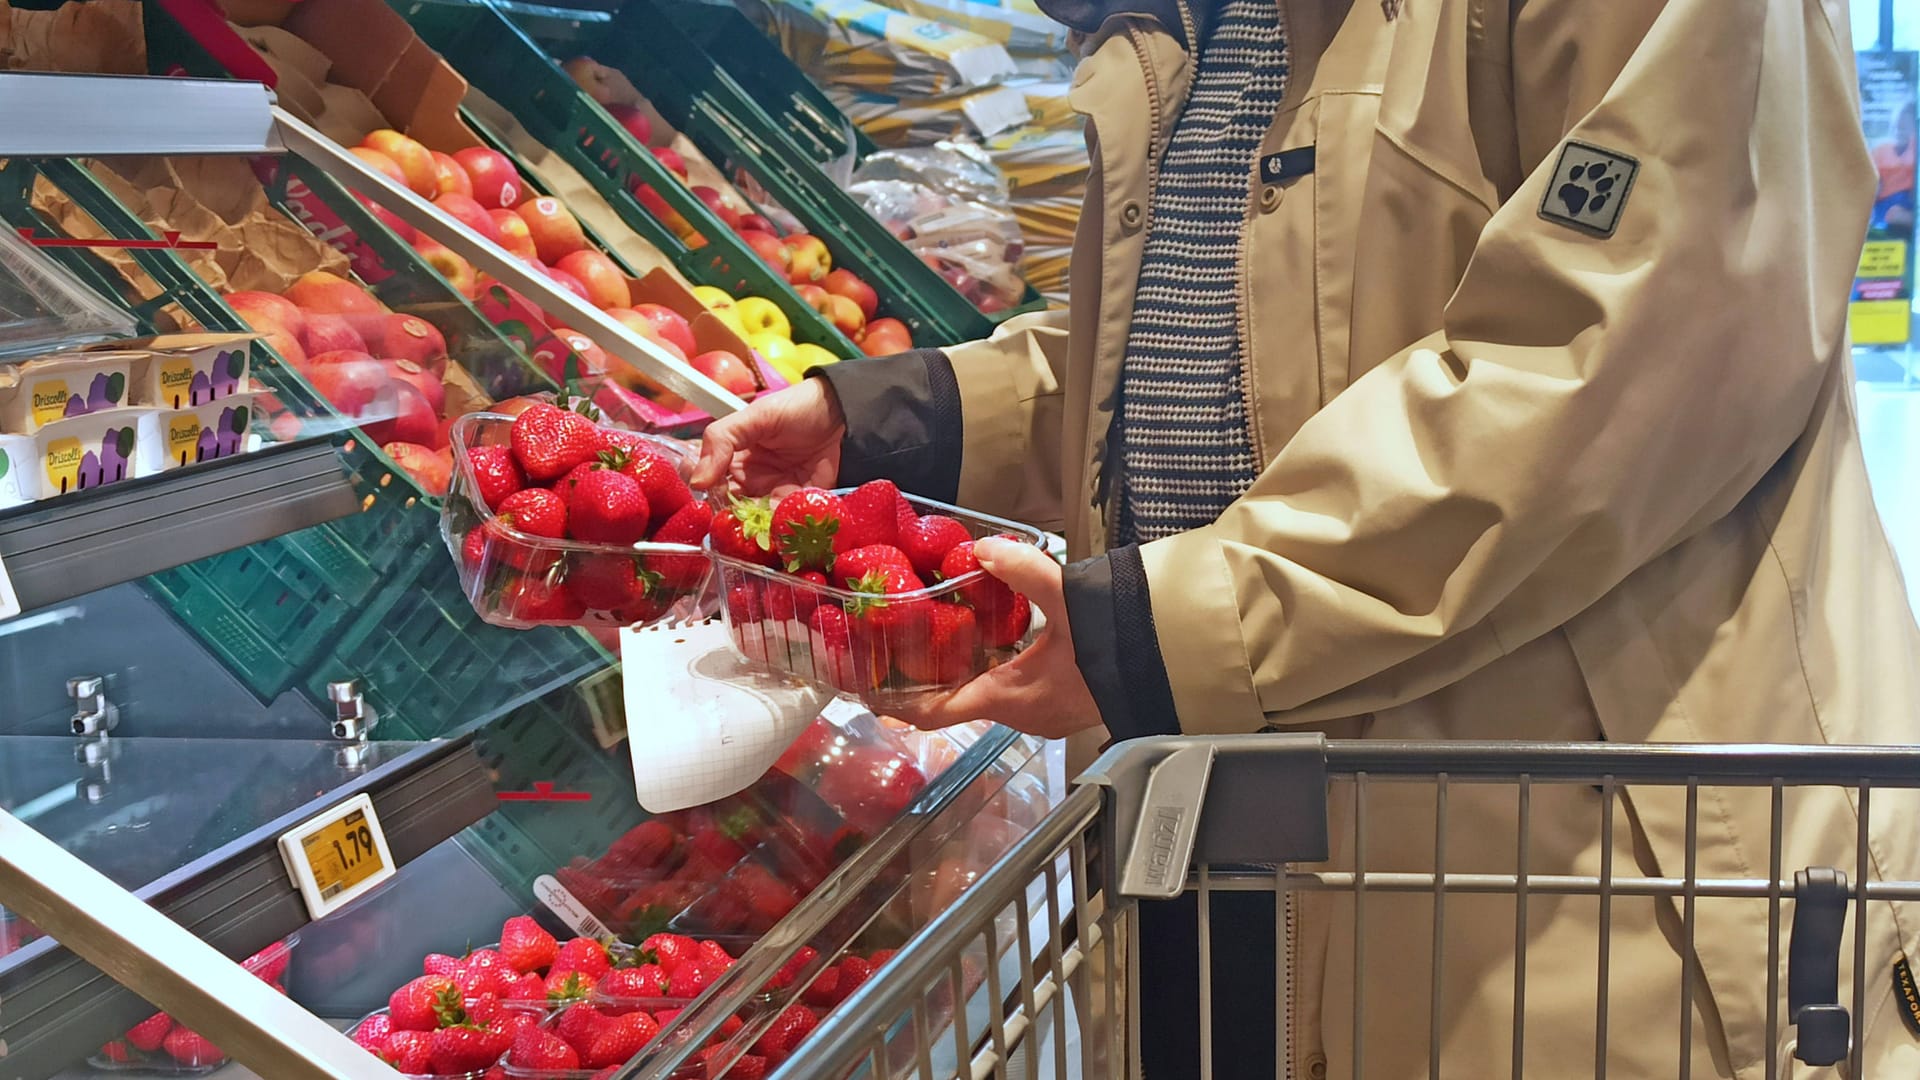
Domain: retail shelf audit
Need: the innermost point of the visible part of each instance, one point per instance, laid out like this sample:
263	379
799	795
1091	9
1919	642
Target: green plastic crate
505	64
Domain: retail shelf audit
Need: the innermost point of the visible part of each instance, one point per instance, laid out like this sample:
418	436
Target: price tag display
335	857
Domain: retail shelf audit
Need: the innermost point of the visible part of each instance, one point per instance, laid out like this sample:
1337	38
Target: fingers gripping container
888	649
159	1046
519	580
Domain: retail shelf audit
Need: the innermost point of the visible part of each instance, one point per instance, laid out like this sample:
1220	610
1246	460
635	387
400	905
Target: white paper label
569	908
997	110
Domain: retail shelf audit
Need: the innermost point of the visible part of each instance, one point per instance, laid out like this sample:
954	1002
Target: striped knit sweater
1185	448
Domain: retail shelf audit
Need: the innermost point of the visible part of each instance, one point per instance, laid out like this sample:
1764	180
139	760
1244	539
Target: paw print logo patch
1589	189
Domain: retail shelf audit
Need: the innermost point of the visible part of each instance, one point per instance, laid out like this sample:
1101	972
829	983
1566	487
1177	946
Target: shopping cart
1035	971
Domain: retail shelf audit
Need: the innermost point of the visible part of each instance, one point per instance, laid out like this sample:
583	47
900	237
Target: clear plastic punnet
45	309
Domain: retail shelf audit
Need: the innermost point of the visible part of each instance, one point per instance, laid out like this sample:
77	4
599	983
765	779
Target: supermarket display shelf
88	540
206	856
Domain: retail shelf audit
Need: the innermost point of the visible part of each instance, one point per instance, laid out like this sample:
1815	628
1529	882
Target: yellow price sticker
342	854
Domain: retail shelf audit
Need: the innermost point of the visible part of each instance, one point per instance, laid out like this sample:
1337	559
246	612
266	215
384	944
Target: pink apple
728	370
668	325
496	183
405	416
349	379
635	120
467	212
332	333
421	379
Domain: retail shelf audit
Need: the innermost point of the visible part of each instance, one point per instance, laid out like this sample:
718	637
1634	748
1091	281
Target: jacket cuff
1110	614
903	421
1213	685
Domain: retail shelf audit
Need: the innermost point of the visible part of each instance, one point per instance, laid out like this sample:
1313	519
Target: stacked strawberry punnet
852	590
162	1044
548	516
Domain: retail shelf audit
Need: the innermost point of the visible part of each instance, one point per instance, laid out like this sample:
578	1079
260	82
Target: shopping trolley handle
1824	1028
1174	800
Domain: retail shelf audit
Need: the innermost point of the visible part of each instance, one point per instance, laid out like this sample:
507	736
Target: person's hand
1041	691
783	440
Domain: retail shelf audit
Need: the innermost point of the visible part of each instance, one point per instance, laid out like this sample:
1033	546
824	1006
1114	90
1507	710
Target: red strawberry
415	1006
535	511
670	950
666	1017
871	787
867	516
928	540
1001	614
691	977
440	964
742	531
804	525
878	959
584	955
534	1048
729	1028
579	1024
883	621
793	1024
477	980
570	985
903	514
462	1048
768	898
539	600
645	981
659	479
148	1034
526	945
410	1052
644	846
682	573
269	963
744	602
609	582
116	1051
943	655
529	987
189	1047
607	507
797	601
850	566
373	1031
790	971
564	486
837	661
824	991
715	953
745	1067
620	1039
495	474
548	441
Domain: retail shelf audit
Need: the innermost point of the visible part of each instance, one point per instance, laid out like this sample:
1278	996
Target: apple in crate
846	315
427	382
886	337
644	327
762	316
808	259
671	158
458	271
402	337
728	215
635	120
466	211
405	416
349	379
593	359
844	282
606	285
555	232
415	160
496	183
265	312
320	292
514	235
334	333
669	326
448	177
388	167
566	281
388	218
431	469
771	251
728	370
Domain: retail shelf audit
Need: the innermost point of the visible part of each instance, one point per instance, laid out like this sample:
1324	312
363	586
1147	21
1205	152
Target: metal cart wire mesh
1036	970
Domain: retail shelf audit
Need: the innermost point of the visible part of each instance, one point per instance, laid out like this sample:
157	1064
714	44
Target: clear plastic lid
44	309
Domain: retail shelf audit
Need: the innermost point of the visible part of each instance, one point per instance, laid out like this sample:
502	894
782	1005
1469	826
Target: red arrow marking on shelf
543	792
169	239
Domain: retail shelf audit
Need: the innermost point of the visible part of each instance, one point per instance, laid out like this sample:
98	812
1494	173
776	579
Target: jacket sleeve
977	424
1588	403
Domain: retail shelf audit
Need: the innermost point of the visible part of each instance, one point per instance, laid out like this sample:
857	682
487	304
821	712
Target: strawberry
796	601
903	515
525	944
1001	614
670	950
582	954
414	1007
943	656
804	525
495	474
768	898
148	1034
620	1039
716	954
564	486
579	1024
928	540
548	441
645	846
612	582
742	530
744	601
794	1023
836	660
463	1048
529	987
659	479
537	1049
373	1032
570	985
790	971
824	991
666	1017
883	622
189	1047
645	981
871	787
853	972
745	1067
851	566
539	600
729	1028
116	1051
691	977
479	980
682	573
535	511
410	1052
440	964
867	516
607	507
878	958
269	963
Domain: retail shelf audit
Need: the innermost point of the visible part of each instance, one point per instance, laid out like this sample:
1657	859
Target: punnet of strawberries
160	1044
553	519
867	590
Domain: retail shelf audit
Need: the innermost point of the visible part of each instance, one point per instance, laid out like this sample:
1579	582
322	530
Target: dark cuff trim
1115	644
903	421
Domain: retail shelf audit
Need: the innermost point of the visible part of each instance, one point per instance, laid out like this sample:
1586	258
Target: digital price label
335	857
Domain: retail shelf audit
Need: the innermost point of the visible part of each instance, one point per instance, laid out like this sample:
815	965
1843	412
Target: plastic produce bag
948	203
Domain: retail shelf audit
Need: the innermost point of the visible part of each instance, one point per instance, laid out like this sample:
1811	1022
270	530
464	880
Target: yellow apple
810	355
711	298
762	316
779	353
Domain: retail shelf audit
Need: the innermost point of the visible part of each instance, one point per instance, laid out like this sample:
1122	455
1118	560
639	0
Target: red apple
333	333
727	214
387	166
817	298
420	379
264	310
466	211
496	183
886	337
402	337
449	177
644	327
513	234
415	161
404	415
388	218
606	285
514	406
568	282
555	232
331	294
635	120
844	282
458	271
671	158
668	325
809	260
431	469
846	315
756	223
593	359
771	251
727	369
349	379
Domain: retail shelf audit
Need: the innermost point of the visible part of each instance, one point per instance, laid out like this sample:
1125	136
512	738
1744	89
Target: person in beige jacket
1537	349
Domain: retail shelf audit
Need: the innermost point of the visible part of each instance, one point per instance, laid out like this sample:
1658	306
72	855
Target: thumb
717	447
1025	569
